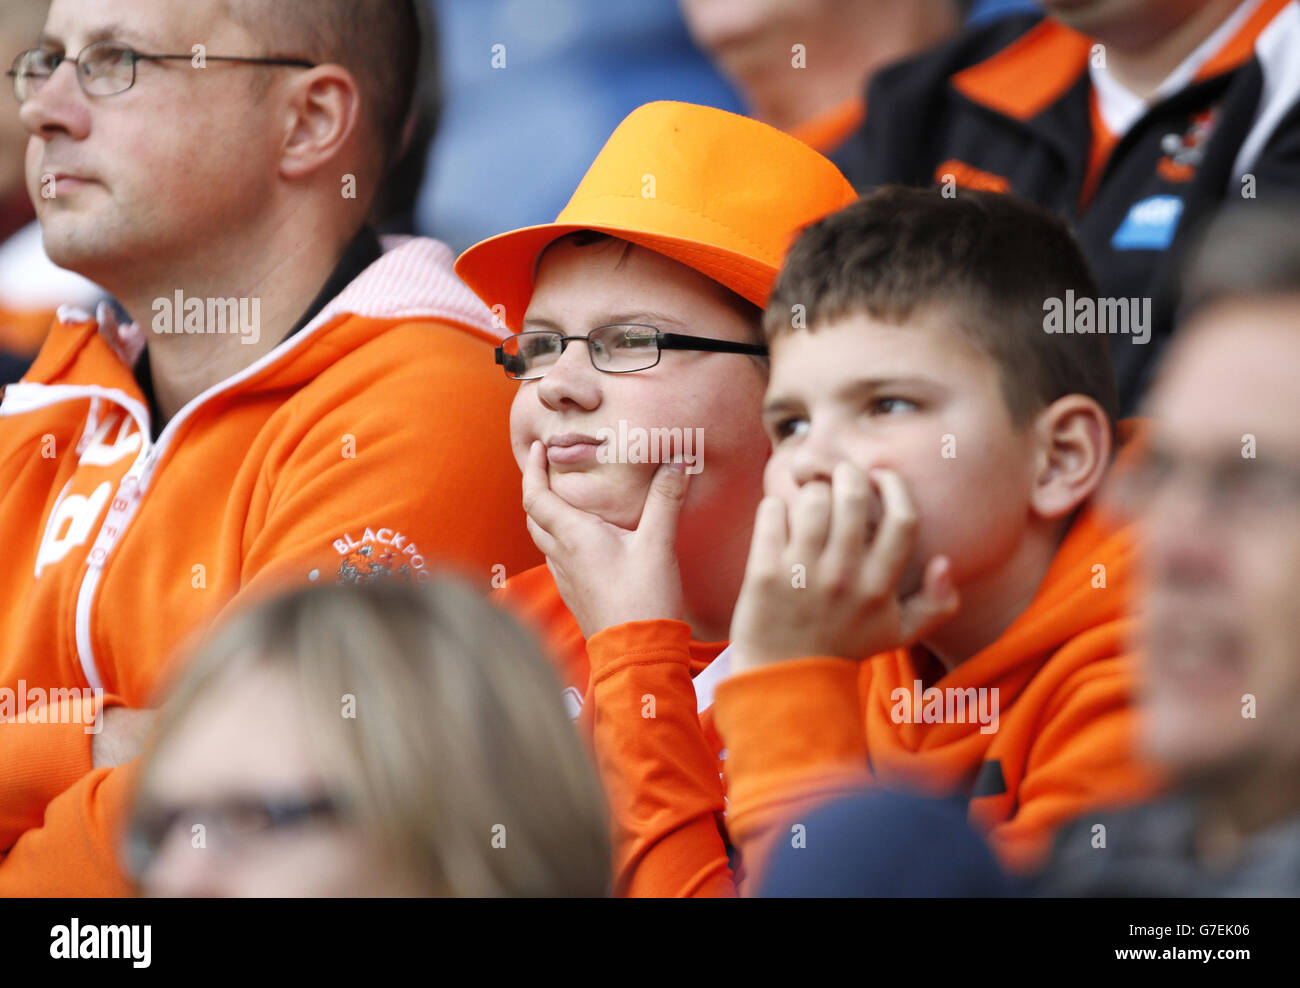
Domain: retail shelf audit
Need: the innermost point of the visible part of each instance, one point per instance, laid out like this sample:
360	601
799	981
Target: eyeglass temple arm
298	62
675	341
142	57
669	341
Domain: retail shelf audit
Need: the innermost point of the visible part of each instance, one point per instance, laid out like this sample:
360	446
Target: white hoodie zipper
131	491
26	397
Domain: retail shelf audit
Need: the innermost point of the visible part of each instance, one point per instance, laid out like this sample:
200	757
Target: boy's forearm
75	852
690	862
795	738
42	754
660	775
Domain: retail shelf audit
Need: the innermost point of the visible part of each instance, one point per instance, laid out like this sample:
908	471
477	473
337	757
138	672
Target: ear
322	114
1074	447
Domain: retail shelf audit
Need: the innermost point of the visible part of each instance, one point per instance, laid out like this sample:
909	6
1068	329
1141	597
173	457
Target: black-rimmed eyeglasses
107	68
622	348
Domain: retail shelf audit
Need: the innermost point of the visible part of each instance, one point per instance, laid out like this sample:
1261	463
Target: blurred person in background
803	67
31	287
532	90
984	11
1136	120
381	740
1217	500
393	211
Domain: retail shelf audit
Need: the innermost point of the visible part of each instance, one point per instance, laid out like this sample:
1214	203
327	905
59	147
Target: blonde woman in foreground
373	740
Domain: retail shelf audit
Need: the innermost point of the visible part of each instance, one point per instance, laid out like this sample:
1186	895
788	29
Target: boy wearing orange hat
660	263
640	576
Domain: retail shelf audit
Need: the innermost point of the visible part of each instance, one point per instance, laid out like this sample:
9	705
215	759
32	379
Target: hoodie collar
412	282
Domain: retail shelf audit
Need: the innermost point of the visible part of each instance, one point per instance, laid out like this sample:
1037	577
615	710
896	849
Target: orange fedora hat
721	193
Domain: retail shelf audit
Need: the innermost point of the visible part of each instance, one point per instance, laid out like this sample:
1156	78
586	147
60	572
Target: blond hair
460	758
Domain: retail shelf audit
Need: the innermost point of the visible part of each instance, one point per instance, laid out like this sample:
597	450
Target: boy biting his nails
931	598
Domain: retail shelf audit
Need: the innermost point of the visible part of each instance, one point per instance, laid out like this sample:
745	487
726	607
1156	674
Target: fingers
546	508
934	603
810	519
767	545
850	521
895	534
543	539
663	503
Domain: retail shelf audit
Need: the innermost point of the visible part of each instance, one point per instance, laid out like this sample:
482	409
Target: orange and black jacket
1010	107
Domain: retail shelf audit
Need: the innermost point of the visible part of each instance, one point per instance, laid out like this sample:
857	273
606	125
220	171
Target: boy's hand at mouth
608	575
845	601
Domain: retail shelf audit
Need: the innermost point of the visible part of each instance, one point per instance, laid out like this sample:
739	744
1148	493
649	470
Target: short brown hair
378	41
988	258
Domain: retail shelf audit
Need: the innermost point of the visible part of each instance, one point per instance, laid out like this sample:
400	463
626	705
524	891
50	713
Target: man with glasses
1217	500
293	400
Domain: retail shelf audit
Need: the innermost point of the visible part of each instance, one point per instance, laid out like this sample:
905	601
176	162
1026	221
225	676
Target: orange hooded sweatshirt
794	734
374	441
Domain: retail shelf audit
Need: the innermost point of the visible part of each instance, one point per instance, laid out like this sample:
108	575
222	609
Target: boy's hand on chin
846	602
608	575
